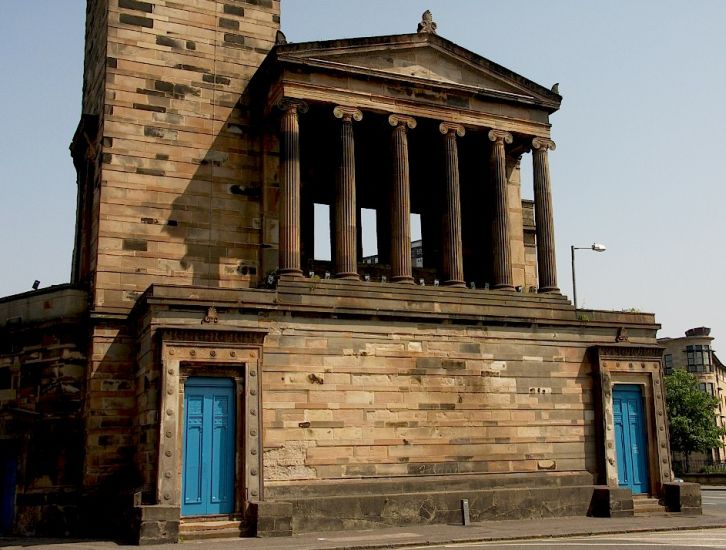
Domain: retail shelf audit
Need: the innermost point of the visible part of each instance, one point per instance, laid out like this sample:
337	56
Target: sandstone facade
362	394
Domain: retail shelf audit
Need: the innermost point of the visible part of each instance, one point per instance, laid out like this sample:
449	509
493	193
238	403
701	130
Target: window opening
368	221
321	246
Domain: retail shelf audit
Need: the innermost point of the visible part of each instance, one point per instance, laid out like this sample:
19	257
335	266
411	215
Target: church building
206	373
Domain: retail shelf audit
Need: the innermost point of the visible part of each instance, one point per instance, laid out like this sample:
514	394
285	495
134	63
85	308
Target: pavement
418	536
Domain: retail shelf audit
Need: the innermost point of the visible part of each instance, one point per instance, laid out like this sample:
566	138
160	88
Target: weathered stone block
683	497
155	525
611	502
270	518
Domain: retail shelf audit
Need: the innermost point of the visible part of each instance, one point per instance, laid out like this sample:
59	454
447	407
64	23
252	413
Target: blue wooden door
630	437
209	450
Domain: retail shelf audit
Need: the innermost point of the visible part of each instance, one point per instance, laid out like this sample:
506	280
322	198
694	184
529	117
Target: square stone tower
169	177
169	169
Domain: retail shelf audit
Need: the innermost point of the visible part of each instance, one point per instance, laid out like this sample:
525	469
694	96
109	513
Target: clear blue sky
640	137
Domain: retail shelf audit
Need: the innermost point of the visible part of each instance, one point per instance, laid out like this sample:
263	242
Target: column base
455	284
348	276
403	279
291	273
548	289
503	287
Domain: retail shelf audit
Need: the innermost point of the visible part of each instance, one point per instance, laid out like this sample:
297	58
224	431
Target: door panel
630	437
209	450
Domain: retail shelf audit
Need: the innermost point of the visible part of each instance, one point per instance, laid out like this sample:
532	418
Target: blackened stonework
234	10
136	5
166	41
137	20
216	79
228	23
153	108
234	39
135	244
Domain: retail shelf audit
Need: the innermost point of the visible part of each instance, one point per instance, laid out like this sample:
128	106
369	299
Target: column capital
348	114
289	104
449	127
400	120
500	135
544	144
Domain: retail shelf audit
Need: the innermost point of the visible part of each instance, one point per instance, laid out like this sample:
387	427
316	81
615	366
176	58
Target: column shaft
500	238
544	219
401	202
290	189
453	253
346	244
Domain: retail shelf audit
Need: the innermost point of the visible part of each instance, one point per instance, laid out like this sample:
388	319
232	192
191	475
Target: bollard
465	512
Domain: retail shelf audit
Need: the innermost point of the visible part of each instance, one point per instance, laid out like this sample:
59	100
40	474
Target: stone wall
179	199
398	381
42	375
351	399
110	408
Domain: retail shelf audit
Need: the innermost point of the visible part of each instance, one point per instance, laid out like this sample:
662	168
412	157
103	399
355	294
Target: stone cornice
389	300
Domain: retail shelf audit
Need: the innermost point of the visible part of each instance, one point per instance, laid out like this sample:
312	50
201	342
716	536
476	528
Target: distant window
706	388
699	358
668	363
417	259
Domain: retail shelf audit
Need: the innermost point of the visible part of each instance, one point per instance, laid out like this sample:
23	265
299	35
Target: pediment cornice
422	60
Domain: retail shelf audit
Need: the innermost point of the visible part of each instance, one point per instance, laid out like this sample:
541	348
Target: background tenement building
194	366
694	353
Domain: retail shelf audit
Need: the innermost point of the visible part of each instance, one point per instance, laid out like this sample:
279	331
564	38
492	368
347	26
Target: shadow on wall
218	215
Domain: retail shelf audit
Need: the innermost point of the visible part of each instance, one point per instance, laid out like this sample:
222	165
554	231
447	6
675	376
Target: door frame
638	365
210	354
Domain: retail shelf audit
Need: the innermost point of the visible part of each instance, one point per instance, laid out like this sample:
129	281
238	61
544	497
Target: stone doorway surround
235	355
638	365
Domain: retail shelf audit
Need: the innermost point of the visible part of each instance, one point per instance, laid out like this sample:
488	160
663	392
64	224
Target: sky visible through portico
640	136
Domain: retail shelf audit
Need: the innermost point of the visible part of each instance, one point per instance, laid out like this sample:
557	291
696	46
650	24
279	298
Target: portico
352	120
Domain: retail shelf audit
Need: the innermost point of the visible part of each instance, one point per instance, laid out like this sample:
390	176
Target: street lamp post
597	247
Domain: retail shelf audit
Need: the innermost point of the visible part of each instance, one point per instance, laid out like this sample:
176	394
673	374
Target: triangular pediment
426	63
420	58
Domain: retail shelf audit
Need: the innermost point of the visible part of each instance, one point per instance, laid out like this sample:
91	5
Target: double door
208	471
630	437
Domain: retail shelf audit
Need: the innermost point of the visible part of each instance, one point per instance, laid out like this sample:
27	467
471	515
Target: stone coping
60	302
318	297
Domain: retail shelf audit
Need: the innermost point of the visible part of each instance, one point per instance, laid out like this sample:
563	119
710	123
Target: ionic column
453	255
546	262
401	201
290	188
346	244
500	237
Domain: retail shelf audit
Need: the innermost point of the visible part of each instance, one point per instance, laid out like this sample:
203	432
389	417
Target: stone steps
210	527
647	506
